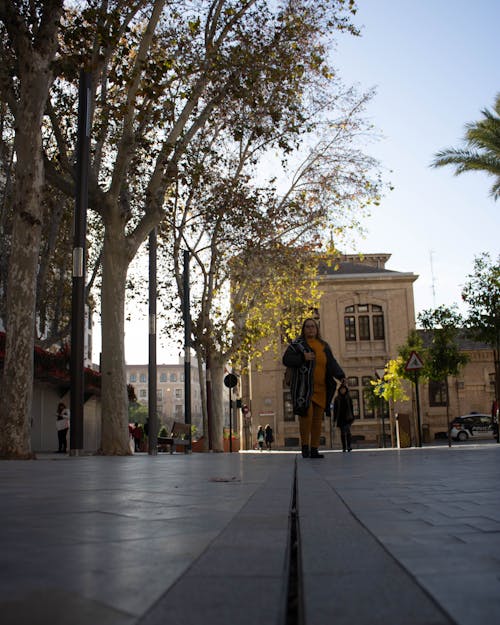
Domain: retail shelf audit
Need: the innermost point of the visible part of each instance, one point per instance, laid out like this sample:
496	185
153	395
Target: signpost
230	381
414	364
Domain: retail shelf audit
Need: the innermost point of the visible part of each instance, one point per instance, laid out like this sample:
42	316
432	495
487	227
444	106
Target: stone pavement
408	537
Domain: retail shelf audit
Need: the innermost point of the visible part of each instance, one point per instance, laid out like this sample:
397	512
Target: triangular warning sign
414	362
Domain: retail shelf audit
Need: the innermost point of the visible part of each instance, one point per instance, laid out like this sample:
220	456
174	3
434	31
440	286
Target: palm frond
482	151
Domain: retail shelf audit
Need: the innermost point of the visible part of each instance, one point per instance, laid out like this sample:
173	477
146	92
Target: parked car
473	426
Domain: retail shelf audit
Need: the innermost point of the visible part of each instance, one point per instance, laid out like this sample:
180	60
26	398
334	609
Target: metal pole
417	398
187	345
77	382
152	368
230	421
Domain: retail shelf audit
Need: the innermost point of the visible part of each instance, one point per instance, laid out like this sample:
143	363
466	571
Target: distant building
170	391
471	391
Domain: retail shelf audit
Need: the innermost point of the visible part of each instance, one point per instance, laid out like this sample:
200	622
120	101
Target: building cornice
356	277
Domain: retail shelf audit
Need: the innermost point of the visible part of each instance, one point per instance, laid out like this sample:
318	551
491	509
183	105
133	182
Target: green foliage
482	151
138	413
414	343
443	357
481	293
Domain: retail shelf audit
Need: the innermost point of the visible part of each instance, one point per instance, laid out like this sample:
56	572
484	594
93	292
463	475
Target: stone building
366	314
170	391
473	390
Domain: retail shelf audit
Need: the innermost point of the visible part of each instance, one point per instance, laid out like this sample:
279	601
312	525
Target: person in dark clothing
313	372
62	427
343	415
137	436
269	436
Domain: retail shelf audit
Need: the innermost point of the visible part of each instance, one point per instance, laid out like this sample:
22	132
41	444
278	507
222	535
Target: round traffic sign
230	380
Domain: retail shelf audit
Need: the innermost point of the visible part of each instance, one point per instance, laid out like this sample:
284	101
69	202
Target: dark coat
269	435
302	382
343	412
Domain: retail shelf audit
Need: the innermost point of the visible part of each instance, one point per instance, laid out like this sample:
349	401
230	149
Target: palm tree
482	151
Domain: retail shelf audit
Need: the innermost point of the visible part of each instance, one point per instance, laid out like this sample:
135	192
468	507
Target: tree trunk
203	392
16	392
115	438
217	379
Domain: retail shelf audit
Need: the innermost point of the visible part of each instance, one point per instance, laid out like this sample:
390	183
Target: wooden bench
180	434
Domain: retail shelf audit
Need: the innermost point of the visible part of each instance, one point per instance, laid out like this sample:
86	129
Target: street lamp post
187	345
77	383
152	365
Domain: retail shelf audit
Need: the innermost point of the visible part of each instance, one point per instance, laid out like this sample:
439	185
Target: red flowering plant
53	368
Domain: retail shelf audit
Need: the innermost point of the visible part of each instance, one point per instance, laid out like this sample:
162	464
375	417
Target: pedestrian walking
62	427
343	415
313	371
269	438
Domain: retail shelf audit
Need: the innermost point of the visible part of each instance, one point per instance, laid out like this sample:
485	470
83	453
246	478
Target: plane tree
29	33
255	248
161	72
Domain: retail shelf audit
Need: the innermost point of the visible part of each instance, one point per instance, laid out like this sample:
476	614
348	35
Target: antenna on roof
433	281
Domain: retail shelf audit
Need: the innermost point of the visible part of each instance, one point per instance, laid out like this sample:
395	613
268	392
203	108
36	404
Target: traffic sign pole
414	364
230	381
417	397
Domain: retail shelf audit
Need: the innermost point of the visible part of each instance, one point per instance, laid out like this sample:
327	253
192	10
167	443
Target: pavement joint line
294	603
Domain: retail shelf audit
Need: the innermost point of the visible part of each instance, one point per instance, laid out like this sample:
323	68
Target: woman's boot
315	453
305	451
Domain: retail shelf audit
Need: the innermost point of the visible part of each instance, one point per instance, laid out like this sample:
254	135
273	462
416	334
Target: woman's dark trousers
62	437
345	437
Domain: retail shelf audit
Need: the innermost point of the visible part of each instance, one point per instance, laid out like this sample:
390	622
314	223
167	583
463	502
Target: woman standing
62	427
343	415
312	387
261	437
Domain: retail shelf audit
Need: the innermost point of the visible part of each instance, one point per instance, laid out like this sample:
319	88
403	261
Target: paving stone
204	538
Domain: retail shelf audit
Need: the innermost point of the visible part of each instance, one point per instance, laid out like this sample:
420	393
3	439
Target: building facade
366	313
169	392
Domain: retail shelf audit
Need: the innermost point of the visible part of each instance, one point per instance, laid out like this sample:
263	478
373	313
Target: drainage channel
294	607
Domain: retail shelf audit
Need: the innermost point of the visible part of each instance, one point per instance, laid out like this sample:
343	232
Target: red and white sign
414	362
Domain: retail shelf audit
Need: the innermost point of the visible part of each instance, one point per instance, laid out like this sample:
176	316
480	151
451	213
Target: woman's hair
318	335
61	406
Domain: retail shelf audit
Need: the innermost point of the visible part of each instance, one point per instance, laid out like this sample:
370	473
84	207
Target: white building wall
43	420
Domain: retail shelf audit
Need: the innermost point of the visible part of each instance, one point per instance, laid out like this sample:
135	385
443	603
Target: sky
435	66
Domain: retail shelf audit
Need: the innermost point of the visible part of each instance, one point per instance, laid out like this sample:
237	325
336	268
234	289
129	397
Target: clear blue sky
435	65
